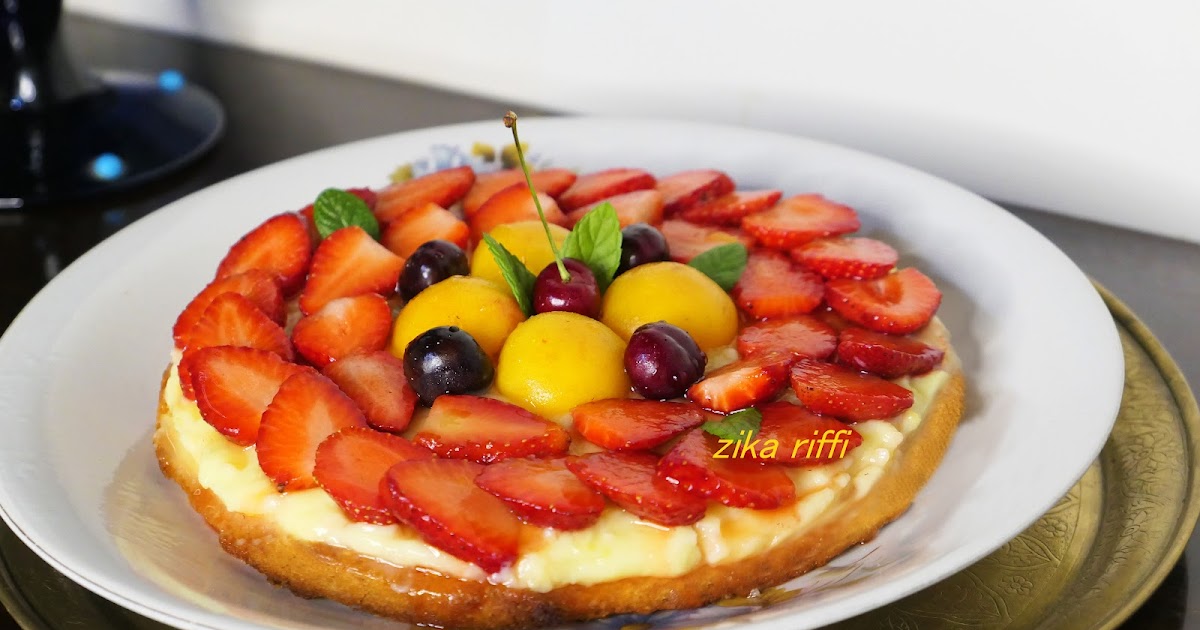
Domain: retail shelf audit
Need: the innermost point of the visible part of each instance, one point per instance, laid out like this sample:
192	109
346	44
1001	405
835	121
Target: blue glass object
107	166
170	80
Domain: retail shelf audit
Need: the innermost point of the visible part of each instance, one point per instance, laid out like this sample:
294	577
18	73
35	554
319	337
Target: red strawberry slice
349	262
280	246
841	392
511	205
259	287
543	492
799	336
730	208
743	481
350	466
366	194
487	430
233	387
421	225
804	438
639	206
743	383
593	187
439	499
692	188
345	326
629	480
375	382
847	257
898	303
797	220
443	187
774	286
830	316
632	424
888	356
552	181
232	320
687	240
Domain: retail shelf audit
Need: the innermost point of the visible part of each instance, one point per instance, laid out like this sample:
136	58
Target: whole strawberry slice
511	205
552	181
487	430
774	286
620	424
888	356
232	320
847	257
375	382
260	287
443	187
841	392
691	188
543	492
349	262
805	439
234	386
629	480
280	246
831	317
350	466
421	225
344	326
687	240
898	303
593	187
639	206
307	409
797	220
743	383
439	499
799	336
730	208
744	481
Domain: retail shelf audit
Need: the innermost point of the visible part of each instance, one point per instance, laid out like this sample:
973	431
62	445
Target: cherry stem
510	121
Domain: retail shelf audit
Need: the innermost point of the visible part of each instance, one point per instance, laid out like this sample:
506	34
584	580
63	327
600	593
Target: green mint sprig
520	280
724	264
596	241
739	425
335	209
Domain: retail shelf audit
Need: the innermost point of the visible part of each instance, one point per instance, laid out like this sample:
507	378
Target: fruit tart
514	398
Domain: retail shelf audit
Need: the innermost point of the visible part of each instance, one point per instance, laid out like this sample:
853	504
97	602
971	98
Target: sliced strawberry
888	356
344	326
847	257
232	320
730	208
639	206
841	392
590	188
375	382
280	246
629	480
830	316
366	194
443	187
740	481
349	262
259	287
511	205
543	492
799	336
487	430
687	240
797	220
421	225
633	424
307	409
552	181
439	499
743	383
692	188
898	303
350	466
804	438
774	286
233	387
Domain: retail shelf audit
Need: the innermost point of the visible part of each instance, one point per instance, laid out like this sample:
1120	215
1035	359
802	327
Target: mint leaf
724	264
596	241
335	209
516	274
739	425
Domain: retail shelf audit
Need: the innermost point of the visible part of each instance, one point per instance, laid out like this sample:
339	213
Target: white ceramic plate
80	369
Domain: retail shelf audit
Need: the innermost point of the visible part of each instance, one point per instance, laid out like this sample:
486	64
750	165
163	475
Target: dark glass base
133	129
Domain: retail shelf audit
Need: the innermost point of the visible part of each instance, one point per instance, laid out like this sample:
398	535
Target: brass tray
1090	562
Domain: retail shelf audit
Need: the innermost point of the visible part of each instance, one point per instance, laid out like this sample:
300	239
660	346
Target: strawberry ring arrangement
515	398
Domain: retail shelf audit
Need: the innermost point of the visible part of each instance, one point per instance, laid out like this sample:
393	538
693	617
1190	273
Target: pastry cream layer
619	545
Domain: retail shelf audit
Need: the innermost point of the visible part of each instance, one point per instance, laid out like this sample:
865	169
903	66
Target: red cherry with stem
579	293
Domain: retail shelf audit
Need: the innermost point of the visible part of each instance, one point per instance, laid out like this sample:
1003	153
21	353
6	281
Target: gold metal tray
1090	562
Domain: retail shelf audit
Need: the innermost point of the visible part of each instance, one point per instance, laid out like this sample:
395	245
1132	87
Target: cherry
429	264
579	294
446	360
663	360
641	244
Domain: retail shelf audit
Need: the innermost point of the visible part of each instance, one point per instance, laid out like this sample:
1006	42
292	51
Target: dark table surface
278	108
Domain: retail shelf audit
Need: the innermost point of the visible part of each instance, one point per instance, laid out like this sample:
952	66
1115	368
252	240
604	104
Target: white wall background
1087	107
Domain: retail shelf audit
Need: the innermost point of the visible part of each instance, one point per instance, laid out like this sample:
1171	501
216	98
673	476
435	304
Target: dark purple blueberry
428	265
641	244
446	360
663	360
580	294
